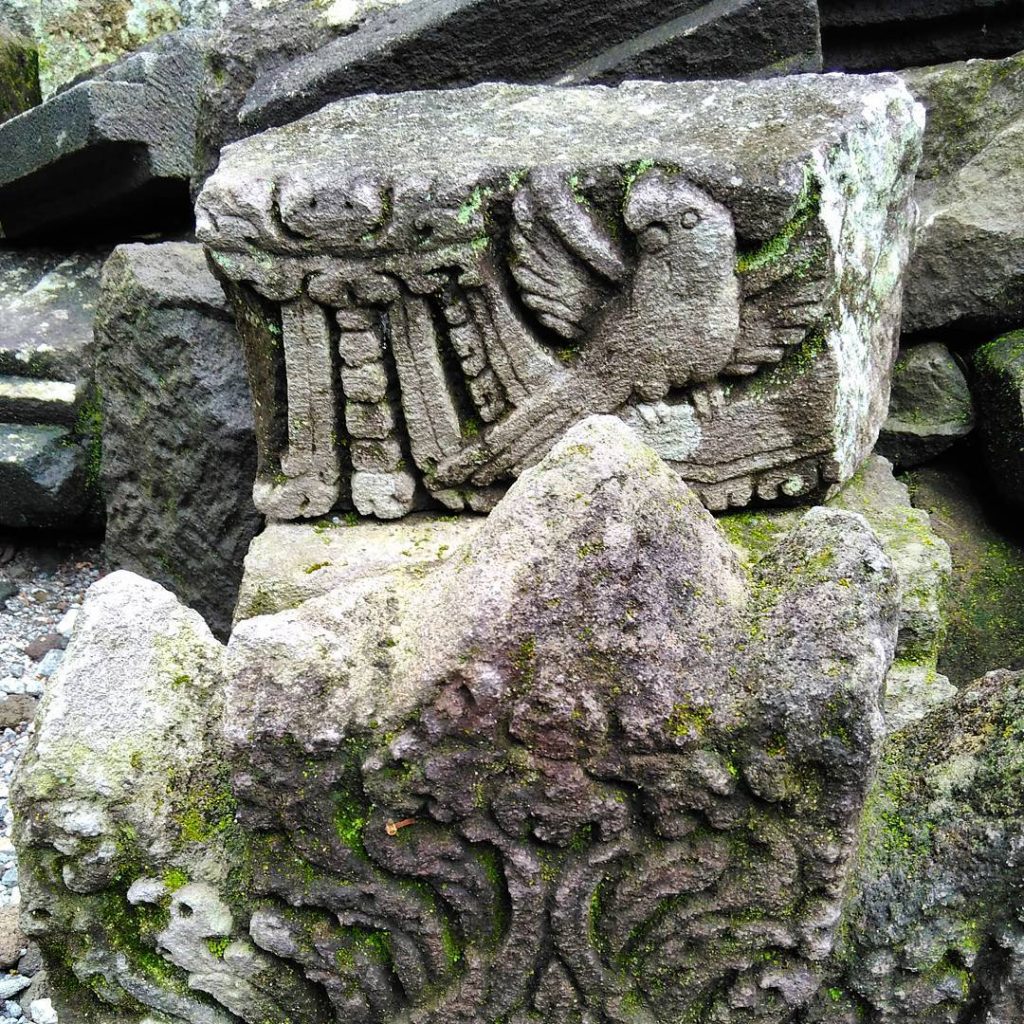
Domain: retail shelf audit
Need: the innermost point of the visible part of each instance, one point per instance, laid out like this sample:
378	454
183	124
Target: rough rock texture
934	933
930	408
110	155
451	43
999	377
43	476
923	566
19	74
985	608
288	563
967	275
622	782
885	35
494	281
47	302
179	456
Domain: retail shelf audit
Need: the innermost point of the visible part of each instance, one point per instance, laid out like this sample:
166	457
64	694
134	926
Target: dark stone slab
445	43
110	155
886	35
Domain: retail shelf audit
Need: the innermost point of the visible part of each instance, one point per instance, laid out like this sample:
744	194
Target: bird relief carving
441	350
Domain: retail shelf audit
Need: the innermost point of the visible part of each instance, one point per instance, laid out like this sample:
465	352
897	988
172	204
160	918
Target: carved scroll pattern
512	855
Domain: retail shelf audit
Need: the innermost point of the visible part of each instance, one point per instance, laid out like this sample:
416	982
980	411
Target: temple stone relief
432	287
584	796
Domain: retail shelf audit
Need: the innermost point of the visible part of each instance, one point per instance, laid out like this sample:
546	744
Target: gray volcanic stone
43	476
19	74
999	371
496	281
886	35
446	43
179	455
583	768
47	303
111	154
931	407
934	931
967	275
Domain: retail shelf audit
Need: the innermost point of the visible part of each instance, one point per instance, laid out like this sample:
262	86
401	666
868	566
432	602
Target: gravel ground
41	588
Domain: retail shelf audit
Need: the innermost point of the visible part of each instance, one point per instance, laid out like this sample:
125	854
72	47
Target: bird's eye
690	219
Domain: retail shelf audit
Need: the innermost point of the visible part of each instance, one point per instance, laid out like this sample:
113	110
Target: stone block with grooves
111	155
448	43
443	282
179	456
584	768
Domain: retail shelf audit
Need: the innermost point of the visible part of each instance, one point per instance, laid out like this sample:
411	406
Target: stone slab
448	280
446	43
111	154
887	35
47	302
289	563
931	407
923	566
27	400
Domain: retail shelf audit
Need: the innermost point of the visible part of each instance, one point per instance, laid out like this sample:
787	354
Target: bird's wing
786	298
563	260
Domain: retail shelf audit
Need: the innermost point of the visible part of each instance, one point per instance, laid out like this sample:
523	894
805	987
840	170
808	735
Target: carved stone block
585	769
432	287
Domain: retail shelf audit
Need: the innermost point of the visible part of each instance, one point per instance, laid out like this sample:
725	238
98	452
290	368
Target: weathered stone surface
462	42
583	768
985	609
47	302
885	35
966	275
19	74
496	281
288	563
112	154
43	476
923	567
934	933
930	408
999	374
179	456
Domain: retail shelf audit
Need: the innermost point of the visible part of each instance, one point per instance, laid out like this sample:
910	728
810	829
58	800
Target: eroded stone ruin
555	463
